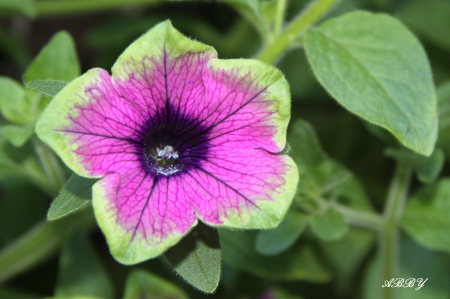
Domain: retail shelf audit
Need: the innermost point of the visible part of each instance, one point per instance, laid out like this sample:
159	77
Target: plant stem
362	219
389	236
64	7
50	163
310	15
40	243
279	18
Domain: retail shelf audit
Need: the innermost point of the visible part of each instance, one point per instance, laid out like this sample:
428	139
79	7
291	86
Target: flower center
166	156
172	143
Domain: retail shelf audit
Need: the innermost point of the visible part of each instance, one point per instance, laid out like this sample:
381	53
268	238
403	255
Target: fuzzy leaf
80	271
330	225
426	217
17	135
56	61
427	168
145	285
279	239
299	262
373	66
75	194
47	87
197	258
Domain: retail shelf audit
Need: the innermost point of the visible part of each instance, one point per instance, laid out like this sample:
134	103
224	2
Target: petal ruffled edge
121	242
57	116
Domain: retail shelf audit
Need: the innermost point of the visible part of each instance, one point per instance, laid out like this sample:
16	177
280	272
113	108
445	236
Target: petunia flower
175	135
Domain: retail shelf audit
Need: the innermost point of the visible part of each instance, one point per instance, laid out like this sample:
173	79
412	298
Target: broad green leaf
197	258
26	7
279	239
145	285
56	61
12	100
38	244
17	135
80	271
427	168
415	262
330	225
426	217
299	262
75	194
431	19
375	67
48	88
443	95
346	255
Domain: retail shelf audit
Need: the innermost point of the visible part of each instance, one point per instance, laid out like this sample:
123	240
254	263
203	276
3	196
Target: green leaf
48	88
319	174
197	258
145	285
373	66
17	135
56	61
75	194
39	244
427	168
330	225
415	262
26	7
252	11
426	217
443	95
279	239
299	262
431	19
12	103
346	255
80	272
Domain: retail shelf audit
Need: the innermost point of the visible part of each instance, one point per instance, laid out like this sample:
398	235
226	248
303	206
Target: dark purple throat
171	143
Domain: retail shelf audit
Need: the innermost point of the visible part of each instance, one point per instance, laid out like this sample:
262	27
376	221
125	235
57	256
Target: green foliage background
355	160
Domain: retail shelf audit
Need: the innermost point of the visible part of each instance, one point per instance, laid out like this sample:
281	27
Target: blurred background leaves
58	40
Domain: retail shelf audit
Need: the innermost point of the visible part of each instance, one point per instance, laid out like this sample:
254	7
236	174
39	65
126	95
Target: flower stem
50	164
279	18
389	236
310	15
362	219
64	7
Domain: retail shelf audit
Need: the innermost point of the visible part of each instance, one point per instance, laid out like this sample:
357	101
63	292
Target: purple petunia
175	135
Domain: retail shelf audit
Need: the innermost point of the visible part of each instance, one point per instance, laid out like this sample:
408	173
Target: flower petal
162	68
141	215
242	188
90	127
248	104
